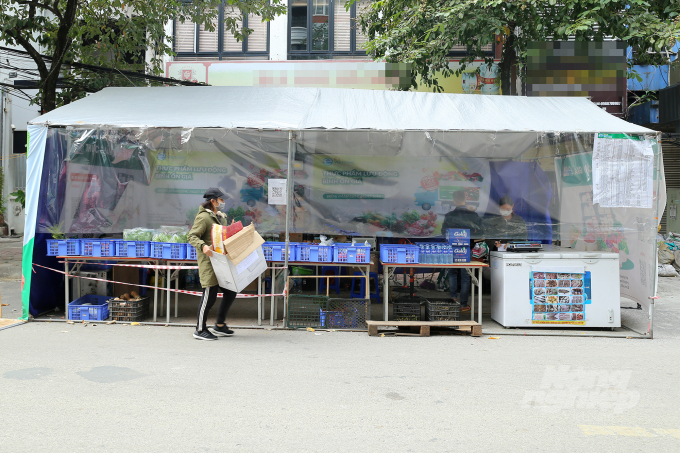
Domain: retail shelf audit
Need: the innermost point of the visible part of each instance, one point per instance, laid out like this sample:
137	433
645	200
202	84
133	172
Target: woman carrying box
200	236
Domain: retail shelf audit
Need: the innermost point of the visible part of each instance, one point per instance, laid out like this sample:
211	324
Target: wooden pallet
473	327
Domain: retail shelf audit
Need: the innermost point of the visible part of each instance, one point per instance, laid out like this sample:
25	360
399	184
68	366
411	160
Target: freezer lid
556	253
575	254
527	256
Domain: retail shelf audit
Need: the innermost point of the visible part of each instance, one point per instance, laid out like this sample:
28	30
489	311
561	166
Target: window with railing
194	41
324	29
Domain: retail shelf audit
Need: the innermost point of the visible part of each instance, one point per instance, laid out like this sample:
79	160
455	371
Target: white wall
278	37
14	216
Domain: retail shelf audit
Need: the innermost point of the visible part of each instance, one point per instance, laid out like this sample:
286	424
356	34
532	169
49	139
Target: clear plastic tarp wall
365	183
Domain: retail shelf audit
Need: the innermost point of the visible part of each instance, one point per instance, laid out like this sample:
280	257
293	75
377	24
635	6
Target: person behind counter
506	226
462	217
200	236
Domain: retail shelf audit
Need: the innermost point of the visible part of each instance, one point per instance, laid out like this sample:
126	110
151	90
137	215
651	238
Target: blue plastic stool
268	285
334	283
362	287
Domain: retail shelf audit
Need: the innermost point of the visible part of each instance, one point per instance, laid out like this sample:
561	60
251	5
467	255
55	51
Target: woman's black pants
208	300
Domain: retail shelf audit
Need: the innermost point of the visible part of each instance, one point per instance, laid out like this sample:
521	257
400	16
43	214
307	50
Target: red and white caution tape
144	266
182	291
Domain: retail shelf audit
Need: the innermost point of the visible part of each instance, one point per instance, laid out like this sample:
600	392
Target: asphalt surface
119	388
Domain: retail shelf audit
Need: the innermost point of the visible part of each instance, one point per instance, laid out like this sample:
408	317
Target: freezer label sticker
559	297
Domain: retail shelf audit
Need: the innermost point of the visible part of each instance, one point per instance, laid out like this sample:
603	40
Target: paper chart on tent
623	169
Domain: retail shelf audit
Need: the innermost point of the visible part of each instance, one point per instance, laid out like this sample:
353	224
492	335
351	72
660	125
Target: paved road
76	388
10	258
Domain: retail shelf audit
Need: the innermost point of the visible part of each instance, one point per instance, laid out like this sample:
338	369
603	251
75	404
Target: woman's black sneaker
223	331
204	335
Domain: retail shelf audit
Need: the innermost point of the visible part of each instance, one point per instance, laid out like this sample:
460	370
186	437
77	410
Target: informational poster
623	171
559	295
277	191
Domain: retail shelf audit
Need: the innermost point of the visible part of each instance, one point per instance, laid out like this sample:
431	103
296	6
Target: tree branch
62	42
42	67
44	6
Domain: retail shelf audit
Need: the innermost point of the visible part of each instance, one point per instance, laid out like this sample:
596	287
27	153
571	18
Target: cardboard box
294	237
457	236
257	242
461	254
236	277
124	275
252	287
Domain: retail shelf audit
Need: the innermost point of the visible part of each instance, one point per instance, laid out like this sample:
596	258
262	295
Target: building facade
316	43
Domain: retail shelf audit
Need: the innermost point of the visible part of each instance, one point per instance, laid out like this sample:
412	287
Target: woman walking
200	237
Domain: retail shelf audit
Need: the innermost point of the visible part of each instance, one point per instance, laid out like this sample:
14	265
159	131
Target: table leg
155	296
271	308
259	300
78	280
176	293
386	290
316	280
479	300
368	282
167	304
472	295
66	295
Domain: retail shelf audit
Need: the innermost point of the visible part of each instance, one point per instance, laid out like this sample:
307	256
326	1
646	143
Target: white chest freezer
557	286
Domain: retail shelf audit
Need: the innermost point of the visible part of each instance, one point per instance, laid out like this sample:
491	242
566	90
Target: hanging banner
588	226
386	196
37	139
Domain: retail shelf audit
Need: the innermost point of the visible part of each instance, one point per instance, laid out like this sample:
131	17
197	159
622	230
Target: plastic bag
676	262
138	234
481	250
665	255
666	270
217	235
172	234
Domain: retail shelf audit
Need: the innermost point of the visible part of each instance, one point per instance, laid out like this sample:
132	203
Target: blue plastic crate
63	247
168	251
99	247
98	311
133	249
274	251
191	252
314	253
399	253
351	253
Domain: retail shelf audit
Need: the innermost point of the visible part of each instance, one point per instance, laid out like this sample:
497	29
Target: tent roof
330	108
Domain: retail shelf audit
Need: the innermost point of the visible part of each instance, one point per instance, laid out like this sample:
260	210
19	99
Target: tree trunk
508	60
48	101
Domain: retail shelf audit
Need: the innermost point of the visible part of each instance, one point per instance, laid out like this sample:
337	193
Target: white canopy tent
299	109
255	123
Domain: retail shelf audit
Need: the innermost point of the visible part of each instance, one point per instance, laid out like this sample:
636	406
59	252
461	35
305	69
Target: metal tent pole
651	320
289	208
655	249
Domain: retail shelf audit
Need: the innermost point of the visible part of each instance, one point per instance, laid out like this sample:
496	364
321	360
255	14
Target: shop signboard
476	78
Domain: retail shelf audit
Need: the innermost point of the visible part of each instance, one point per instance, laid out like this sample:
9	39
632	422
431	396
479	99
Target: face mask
220	205
505	213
